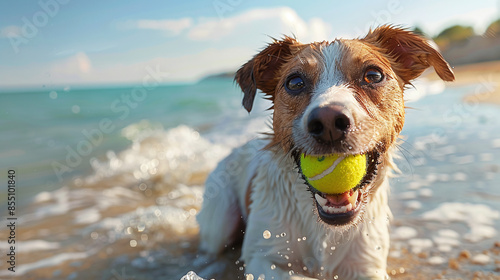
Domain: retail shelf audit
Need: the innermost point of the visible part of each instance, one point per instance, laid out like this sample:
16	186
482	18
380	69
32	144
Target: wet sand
465	265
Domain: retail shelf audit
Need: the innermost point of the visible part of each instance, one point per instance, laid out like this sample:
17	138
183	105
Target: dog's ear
260	71
409	53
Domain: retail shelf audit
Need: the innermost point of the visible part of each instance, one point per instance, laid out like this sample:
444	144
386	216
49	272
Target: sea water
112	178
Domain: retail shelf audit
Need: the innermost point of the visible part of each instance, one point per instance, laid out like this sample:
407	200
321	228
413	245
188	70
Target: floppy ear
409	53
260	71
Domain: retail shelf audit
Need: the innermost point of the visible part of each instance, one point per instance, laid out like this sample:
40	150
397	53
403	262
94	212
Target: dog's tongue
343	198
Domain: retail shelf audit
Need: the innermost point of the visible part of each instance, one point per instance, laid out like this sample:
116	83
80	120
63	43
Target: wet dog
339	97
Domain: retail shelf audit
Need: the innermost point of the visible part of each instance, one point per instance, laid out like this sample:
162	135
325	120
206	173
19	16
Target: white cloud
272	21
10	31
175	27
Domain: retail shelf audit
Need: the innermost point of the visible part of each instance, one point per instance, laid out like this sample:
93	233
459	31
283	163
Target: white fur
330	88
300	247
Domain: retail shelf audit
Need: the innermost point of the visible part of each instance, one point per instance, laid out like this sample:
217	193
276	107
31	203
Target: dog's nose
329	123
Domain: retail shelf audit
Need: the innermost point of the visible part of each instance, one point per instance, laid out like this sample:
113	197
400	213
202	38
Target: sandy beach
486	75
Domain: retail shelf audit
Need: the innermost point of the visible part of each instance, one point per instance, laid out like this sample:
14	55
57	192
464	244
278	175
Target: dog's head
340	97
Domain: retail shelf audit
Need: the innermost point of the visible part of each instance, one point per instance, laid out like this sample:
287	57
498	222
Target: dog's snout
329	123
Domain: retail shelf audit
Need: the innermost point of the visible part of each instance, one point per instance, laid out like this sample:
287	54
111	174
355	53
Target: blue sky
59	43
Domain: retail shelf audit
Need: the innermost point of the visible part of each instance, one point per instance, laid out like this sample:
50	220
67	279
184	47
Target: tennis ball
333	174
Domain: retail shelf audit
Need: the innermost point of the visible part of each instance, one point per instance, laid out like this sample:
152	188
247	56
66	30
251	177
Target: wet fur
258	186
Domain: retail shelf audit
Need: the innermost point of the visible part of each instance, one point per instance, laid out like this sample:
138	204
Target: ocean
109	180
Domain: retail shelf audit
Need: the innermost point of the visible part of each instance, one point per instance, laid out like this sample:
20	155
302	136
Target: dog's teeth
333	209
348	207
342	209
322	201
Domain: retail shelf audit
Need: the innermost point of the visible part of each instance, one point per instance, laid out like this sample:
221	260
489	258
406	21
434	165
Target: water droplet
332	248
273	267
336	277
304	268
378	248
283	234
94	235
241	268
249	277
133	243
141	228
304	238
53	94
157	212
299	239
322	268
291	272
289	264
75	109
143	186
266	234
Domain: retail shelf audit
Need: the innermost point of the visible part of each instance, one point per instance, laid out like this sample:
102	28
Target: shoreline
485	74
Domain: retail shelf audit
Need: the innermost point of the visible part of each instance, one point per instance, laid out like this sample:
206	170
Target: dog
338	97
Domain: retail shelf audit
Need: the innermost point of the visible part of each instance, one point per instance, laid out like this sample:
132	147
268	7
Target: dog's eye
294	84
373	76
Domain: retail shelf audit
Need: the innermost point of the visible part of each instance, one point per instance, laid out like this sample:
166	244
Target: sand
485	75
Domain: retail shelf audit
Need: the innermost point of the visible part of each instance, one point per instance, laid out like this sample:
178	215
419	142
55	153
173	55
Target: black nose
329	123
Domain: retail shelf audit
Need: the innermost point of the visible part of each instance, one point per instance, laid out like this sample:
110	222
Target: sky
66	43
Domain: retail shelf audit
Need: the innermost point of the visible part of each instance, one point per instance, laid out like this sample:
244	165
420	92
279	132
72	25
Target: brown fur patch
288	107
410	53
260	72
399	54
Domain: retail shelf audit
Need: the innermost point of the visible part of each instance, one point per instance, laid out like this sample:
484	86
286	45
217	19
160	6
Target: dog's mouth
344	208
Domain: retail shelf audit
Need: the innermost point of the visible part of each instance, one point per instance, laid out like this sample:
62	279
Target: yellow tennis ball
333	174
